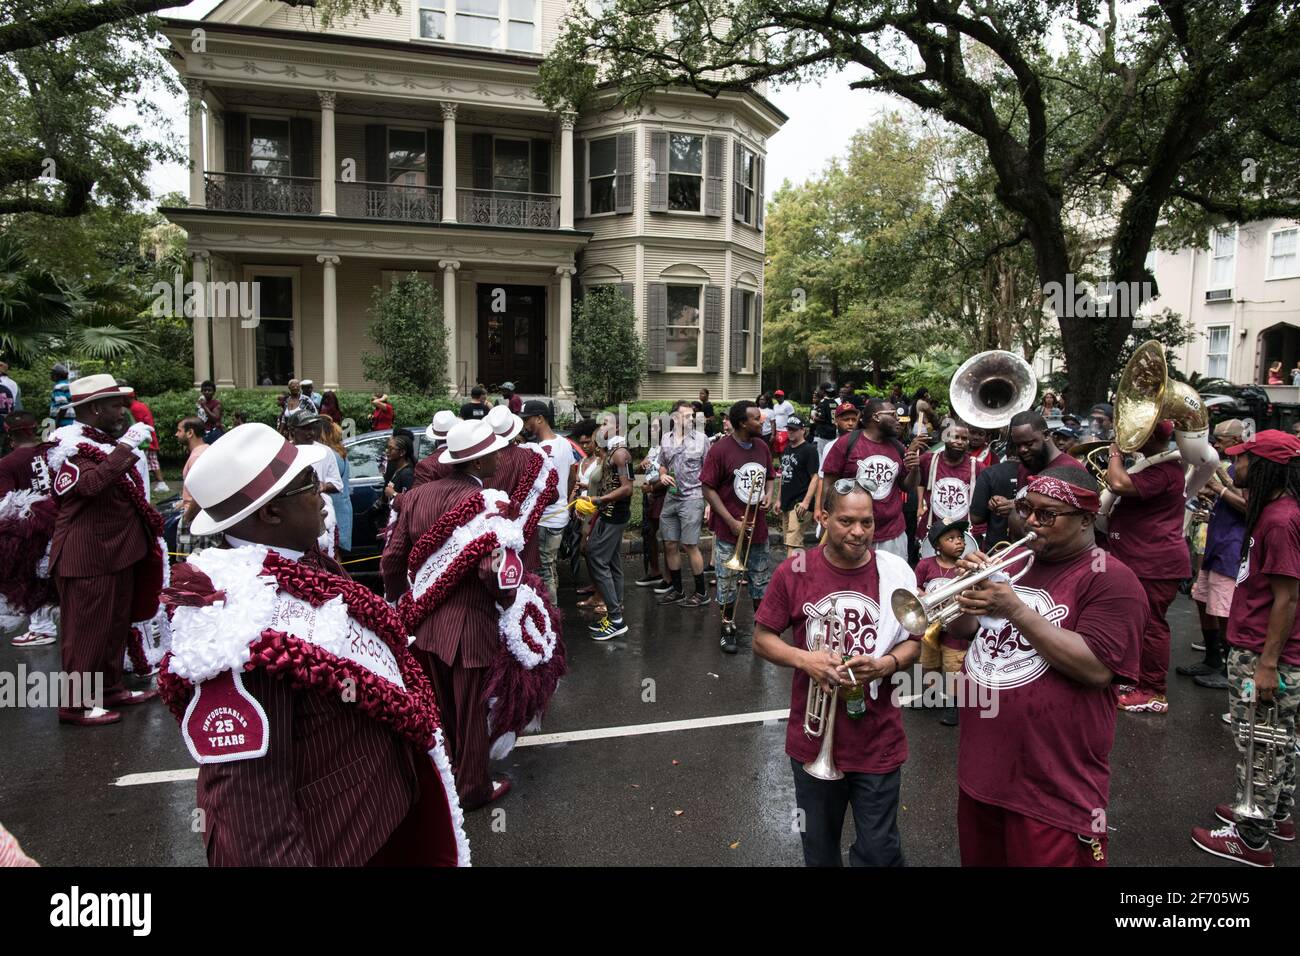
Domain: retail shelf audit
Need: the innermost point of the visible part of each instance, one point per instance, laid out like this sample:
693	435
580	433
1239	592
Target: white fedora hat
92	388
466	441
237	475
441	424
505	422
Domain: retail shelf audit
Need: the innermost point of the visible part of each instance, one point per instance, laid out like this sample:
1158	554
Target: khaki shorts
794	529
1215	591
951	658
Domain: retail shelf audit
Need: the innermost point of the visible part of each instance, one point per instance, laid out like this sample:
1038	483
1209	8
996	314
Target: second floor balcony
387	202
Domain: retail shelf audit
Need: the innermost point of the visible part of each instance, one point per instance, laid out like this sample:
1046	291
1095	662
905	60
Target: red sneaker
1227	843
1283	830
1143	701
94	717
125	698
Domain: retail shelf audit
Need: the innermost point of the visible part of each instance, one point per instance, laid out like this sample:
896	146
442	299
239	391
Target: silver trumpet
819	714
917	612
1261	769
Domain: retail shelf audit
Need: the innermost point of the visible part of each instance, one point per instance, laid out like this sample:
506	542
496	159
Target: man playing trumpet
839	585
1034	771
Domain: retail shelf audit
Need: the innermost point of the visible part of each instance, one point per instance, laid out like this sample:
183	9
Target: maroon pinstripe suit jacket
333	786
466	622
98	530
511	464
429	469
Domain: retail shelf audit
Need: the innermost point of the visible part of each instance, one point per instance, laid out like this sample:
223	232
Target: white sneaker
161	486
32	639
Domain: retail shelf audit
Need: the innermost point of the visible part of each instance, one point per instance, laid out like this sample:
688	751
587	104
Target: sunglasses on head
1045	517
845	485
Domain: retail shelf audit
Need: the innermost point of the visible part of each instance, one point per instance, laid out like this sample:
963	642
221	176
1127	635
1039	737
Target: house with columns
324	163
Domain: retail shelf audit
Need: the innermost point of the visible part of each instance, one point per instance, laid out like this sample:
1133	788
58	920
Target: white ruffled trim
512	623
157	642
18	505
207	641
66	440
326	540
438	753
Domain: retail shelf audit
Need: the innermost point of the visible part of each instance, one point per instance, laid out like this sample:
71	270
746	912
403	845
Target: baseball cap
1063	429
534	407
846	408
1272	444
939	530
780	392
794	421
1229	428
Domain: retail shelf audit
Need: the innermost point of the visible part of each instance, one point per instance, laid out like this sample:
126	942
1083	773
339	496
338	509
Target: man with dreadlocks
1264	644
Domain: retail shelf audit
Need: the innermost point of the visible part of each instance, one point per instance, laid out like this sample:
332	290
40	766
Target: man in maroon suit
458	639
429	467
104	554
512	468
314	729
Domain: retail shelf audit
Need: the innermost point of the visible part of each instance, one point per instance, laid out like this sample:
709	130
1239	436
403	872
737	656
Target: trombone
819	713
919	613
754	485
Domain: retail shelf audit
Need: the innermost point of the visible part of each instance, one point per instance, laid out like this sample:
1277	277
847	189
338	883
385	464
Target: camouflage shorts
1278	797
758	571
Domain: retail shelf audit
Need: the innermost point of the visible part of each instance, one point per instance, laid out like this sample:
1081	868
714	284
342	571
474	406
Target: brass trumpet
819	713
919	613
1263	769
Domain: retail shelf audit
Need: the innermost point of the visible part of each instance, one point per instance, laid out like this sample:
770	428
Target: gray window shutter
377	154
737	343
624	181
712	328
715	147
481	159
541	156
433	158
758	336
236	129
737	209
659	167
300	147
579	178
758	192
656	346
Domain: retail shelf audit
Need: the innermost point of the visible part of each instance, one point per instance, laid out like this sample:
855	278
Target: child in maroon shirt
941	650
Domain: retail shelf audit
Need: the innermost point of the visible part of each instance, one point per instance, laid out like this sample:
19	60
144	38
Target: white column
566	171
450	316
328	163
449	162
202	360
195	90
564	386
223	350
330	323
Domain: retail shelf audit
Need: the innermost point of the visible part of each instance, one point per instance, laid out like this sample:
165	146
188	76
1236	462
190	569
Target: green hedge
262	405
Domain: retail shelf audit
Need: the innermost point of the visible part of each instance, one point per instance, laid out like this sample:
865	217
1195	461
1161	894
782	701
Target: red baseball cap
846	408
780	392
1272	444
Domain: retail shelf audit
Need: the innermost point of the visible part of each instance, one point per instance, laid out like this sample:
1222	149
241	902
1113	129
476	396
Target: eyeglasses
1045	517
845	485
313	486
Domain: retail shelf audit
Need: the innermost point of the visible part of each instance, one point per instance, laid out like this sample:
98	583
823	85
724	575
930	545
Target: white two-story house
326	162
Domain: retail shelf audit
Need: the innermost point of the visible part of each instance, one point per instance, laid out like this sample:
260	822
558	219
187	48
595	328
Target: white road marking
533	740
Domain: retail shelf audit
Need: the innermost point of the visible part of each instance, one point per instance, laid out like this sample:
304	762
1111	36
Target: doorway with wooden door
512	337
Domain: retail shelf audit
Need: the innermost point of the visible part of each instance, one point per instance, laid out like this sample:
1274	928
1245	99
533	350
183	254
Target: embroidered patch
66	478
511	573
224	722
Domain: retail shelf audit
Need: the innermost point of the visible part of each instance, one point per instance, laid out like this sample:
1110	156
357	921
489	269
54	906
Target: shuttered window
408	158
685	172
682	342
269	148
744	192
602	170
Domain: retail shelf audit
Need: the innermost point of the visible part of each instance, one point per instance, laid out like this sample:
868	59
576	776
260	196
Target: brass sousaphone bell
992	387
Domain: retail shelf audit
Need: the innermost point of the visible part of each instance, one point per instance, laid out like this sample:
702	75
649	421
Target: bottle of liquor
855	698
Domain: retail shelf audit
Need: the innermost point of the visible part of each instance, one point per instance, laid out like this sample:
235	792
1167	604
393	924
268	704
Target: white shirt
558	449
782	412
327	469
284	552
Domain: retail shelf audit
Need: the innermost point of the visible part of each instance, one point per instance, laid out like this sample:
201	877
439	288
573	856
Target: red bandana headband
1081	498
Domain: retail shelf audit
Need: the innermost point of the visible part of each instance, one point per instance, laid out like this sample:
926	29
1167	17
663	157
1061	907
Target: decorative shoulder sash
239	609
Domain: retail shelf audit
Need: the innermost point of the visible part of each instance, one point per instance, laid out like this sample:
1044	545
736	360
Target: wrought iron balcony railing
390	201
495	207
246	192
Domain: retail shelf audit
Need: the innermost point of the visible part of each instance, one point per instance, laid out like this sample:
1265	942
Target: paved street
706	795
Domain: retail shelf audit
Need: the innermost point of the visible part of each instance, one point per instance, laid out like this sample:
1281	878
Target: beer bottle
855	698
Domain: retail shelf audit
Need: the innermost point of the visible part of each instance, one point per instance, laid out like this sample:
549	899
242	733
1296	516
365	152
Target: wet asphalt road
710	796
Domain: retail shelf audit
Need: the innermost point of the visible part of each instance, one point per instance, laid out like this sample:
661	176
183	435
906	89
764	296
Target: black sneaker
648	580
607	629
1198	646
728	642
949	716
1199	669
698	599
662	586
1215	681
669	597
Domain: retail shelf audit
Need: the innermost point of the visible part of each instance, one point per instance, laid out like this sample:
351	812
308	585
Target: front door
512	337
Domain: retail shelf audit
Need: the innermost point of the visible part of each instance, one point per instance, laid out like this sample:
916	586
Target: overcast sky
823	117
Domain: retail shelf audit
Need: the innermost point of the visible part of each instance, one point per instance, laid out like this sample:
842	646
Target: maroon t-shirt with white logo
726	467
1146	532
930	574
1274	549
950	498
874	742
882	462
1062	460
1046	752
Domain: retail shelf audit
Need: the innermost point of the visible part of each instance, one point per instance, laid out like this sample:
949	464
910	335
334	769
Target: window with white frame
746	319
685	172
683	340
433	19
407	157
1282	254
269	151
602	170
744	191
1216	351
1223	257
519	25
502	24
478	22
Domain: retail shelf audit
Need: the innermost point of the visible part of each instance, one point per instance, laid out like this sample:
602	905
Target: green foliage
412	338
607	357
262	405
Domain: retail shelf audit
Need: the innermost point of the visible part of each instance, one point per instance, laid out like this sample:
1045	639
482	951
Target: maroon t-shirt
882	462
24	469
1062	460
1046	752
725	468
1274	549
874	742
1146	532
382	416
950	498
931	574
